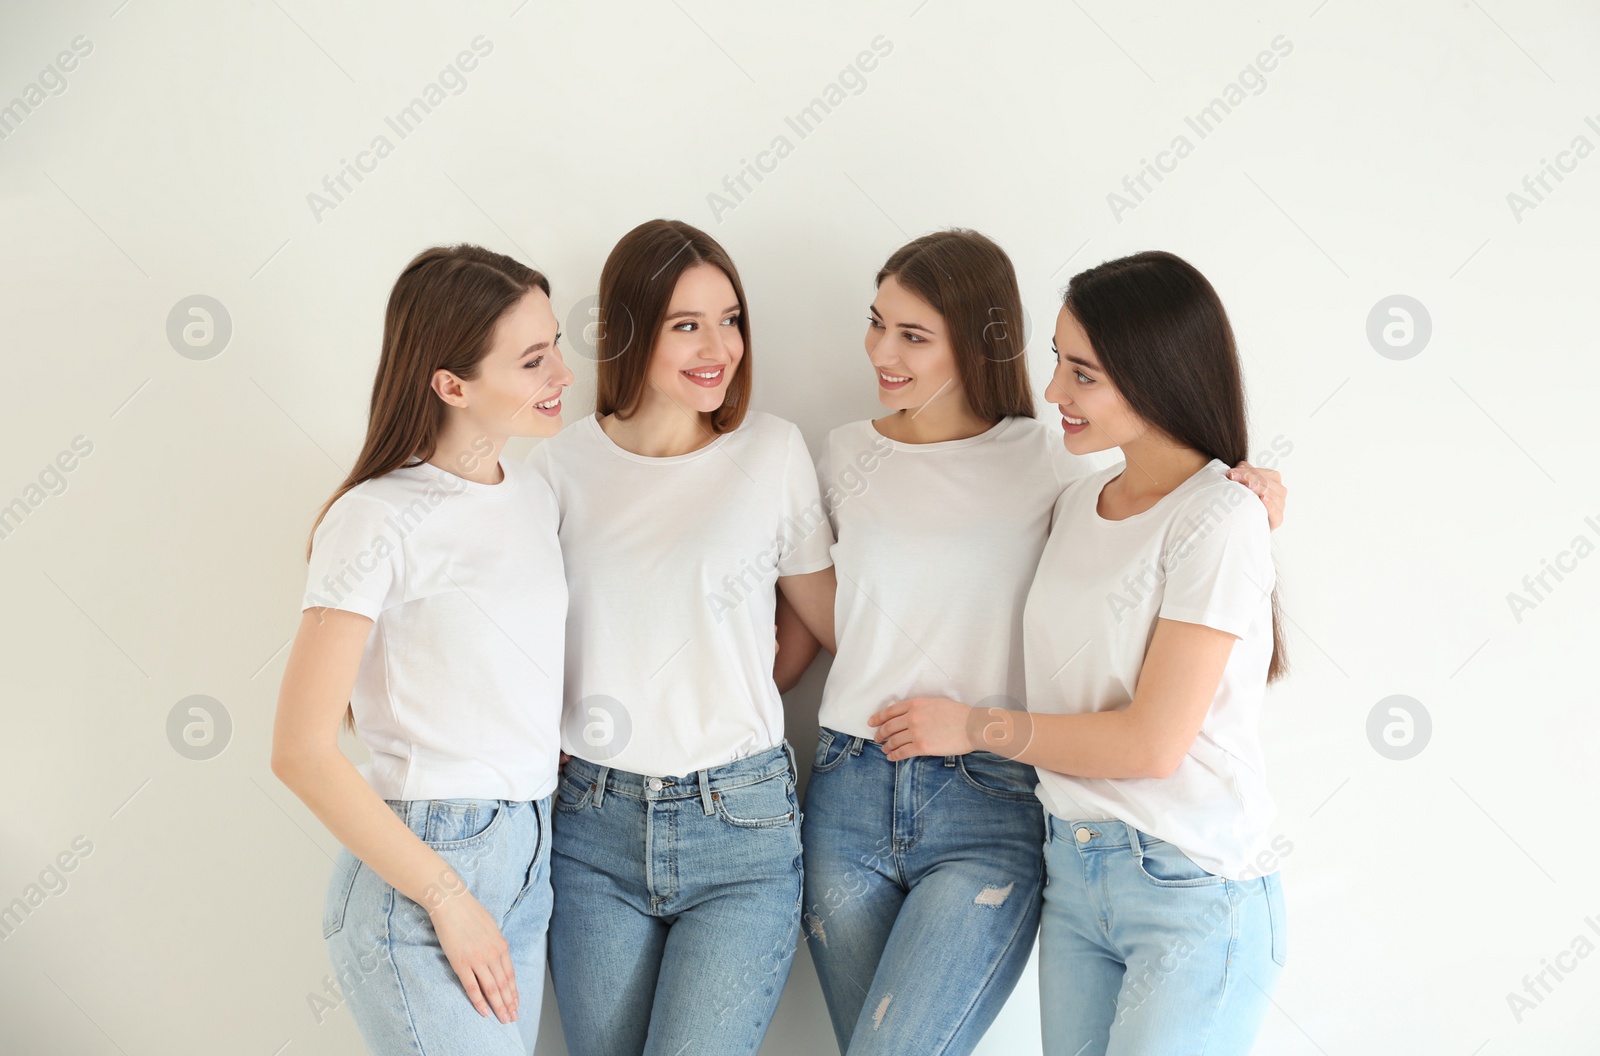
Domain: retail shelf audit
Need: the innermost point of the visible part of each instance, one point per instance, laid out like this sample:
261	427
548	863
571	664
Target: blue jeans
1144	952
677	905
922	892
387	961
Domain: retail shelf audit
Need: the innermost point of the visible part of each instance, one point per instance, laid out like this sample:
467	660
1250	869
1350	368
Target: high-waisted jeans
677	907
922	892
390	969
1144	953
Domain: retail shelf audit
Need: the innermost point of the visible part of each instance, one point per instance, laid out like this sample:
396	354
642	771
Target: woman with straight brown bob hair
677	862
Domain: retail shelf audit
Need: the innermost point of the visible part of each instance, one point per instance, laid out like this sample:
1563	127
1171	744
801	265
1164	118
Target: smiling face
909	346
518	388
1094	416
698	349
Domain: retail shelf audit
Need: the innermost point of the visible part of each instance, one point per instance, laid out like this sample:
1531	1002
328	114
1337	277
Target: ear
448	388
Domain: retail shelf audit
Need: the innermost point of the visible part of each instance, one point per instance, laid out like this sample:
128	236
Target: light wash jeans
677	905
922	892
391	971
1144	953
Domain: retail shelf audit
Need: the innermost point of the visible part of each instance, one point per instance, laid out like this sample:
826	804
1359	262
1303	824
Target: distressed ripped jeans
922	882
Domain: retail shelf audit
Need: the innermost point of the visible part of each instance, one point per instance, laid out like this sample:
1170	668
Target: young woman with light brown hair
435	606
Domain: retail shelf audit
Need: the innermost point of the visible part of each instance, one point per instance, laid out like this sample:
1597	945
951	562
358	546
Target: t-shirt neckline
457	483
946	445
593	423
1116	471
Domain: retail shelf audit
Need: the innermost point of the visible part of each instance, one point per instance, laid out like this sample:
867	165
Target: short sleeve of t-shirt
825	483
1218	560
355	557
807	529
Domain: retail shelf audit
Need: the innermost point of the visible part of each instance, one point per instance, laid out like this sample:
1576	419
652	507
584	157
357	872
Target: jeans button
655	784
1084	835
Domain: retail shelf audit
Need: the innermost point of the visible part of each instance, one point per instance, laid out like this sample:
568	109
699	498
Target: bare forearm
1109	744
810	597
794	660
340	797
797	646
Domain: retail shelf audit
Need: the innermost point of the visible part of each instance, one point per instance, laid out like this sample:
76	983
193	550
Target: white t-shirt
672	569
1199	555
459	691
937	547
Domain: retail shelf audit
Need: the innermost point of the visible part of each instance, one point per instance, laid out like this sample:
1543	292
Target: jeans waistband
415	812
760	766
1098	834
857	744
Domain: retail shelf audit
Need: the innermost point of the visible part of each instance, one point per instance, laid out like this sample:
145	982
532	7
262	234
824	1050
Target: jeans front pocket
832	747
345	868
762	804
1275	913
997	776
452	824
572	794
1165	866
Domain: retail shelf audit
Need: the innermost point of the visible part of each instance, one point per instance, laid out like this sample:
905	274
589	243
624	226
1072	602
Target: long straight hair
441	316
636	285
1163	337
969	281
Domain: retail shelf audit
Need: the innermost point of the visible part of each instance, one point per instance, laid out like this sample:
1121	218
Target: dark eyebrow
1075	359
902	326
698	315
531	349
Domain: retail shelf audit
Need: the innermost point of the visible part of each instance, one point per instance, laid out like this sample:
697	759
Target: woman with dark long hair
1150	634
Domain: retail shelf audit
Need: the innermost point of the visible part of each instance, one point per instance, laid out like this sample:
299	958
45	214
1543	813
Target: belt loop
705	792
600	785
1135	843
949	760
856	744
794	769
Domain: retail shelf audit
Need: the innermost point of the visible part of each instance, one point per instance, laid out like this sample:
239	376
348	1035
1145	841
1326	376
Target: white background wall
1376	160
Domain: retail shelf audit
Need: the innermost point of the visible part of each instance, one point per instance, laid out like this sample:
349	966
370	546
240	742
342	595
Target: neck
468	452
934	422
659	428
1156	465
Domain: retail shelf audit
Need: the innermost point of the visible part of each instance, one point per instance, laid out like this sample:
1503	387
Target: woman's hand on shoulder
1268	486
